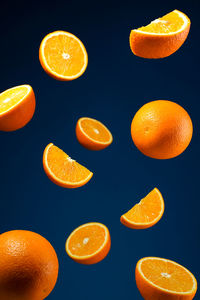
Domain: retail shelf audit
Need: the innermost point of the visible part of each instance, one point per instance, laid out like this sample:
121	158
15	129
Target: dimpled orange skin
28	266
161	129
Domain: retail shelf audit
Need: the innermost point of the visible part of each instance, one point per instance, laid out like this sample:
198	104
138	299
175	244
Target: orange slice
63	170
92	134
163	279
63	56
146	213
89	243
17	106
162	37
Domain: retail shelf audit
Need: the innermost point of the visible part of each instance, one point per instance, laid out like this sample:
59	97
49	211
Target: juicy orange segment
17	106
92	134
63	56
146	213
63	170
159	278
89	243
161	37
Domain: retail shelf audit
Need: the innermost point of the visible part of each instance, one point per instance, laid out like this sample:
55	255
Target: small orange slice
163	279
146	213
89	243
63	170
63	56
17	106
161	37
92	134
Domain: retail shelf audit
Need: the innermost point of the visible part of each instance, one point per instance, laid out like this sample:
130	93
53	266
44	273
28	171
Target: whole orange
28	266
161	129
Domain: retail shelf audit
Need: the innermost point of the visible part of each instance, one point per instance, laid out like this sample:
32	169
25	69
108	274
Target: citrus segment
89	243
63	170
159	278
63	56
92	134
146	213
161	37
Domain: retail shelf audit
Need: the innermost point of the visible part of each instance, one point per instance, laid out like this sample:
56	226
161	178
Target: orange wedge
92	134
89	243
17	106
163	279
146	213
63	170
162	37
63	56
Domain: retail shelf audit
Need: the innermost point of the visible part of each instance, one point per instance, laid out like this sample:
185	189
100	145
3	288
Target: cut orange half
89	243
17	106
163	279
92	134
63	170
146	213
63	56
162	37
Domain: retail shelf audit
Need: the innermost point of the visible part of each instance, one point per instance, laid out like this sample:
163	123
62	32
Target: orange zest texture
62	170
63	56
146	213
17	106
92	134
89	243
159	278
162	37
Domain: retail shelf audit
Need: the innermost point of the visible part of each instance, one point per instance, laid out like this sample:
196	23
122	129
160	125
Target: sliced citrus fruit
63	170
92	134
17	106
162	37
146	213
163	279
63	56
89	243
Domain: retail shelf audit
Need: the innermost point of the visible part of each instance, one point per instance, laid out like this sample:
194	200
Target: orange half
159	278
161	37
146	213
89	243
92	134
62	170
63	56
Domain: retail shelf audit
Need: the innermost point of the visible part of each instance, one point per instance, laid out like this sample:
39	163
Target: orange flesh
95	130
64	55
167	275
87	240
11	97
167	24
147	210
64	168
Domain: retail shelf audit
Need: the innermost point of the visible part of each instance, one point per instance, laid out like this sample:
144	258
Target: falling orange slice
17	106
146	213
92	134
161	37
163	279
63	56
89	243
63	170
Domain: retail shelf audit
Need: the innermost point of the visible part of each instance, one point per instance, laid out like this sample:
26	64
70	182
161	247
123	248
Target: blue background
115	85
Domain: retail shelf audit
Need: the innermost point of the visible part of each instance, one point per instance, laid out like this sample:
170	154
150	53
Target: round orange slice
63	170
89	243
63	56
163	279
17	106
162	37
92	134
146	213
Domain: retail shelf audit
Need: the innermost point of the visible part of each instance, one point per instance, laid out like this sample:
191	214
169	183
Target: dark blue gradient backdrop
115	85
